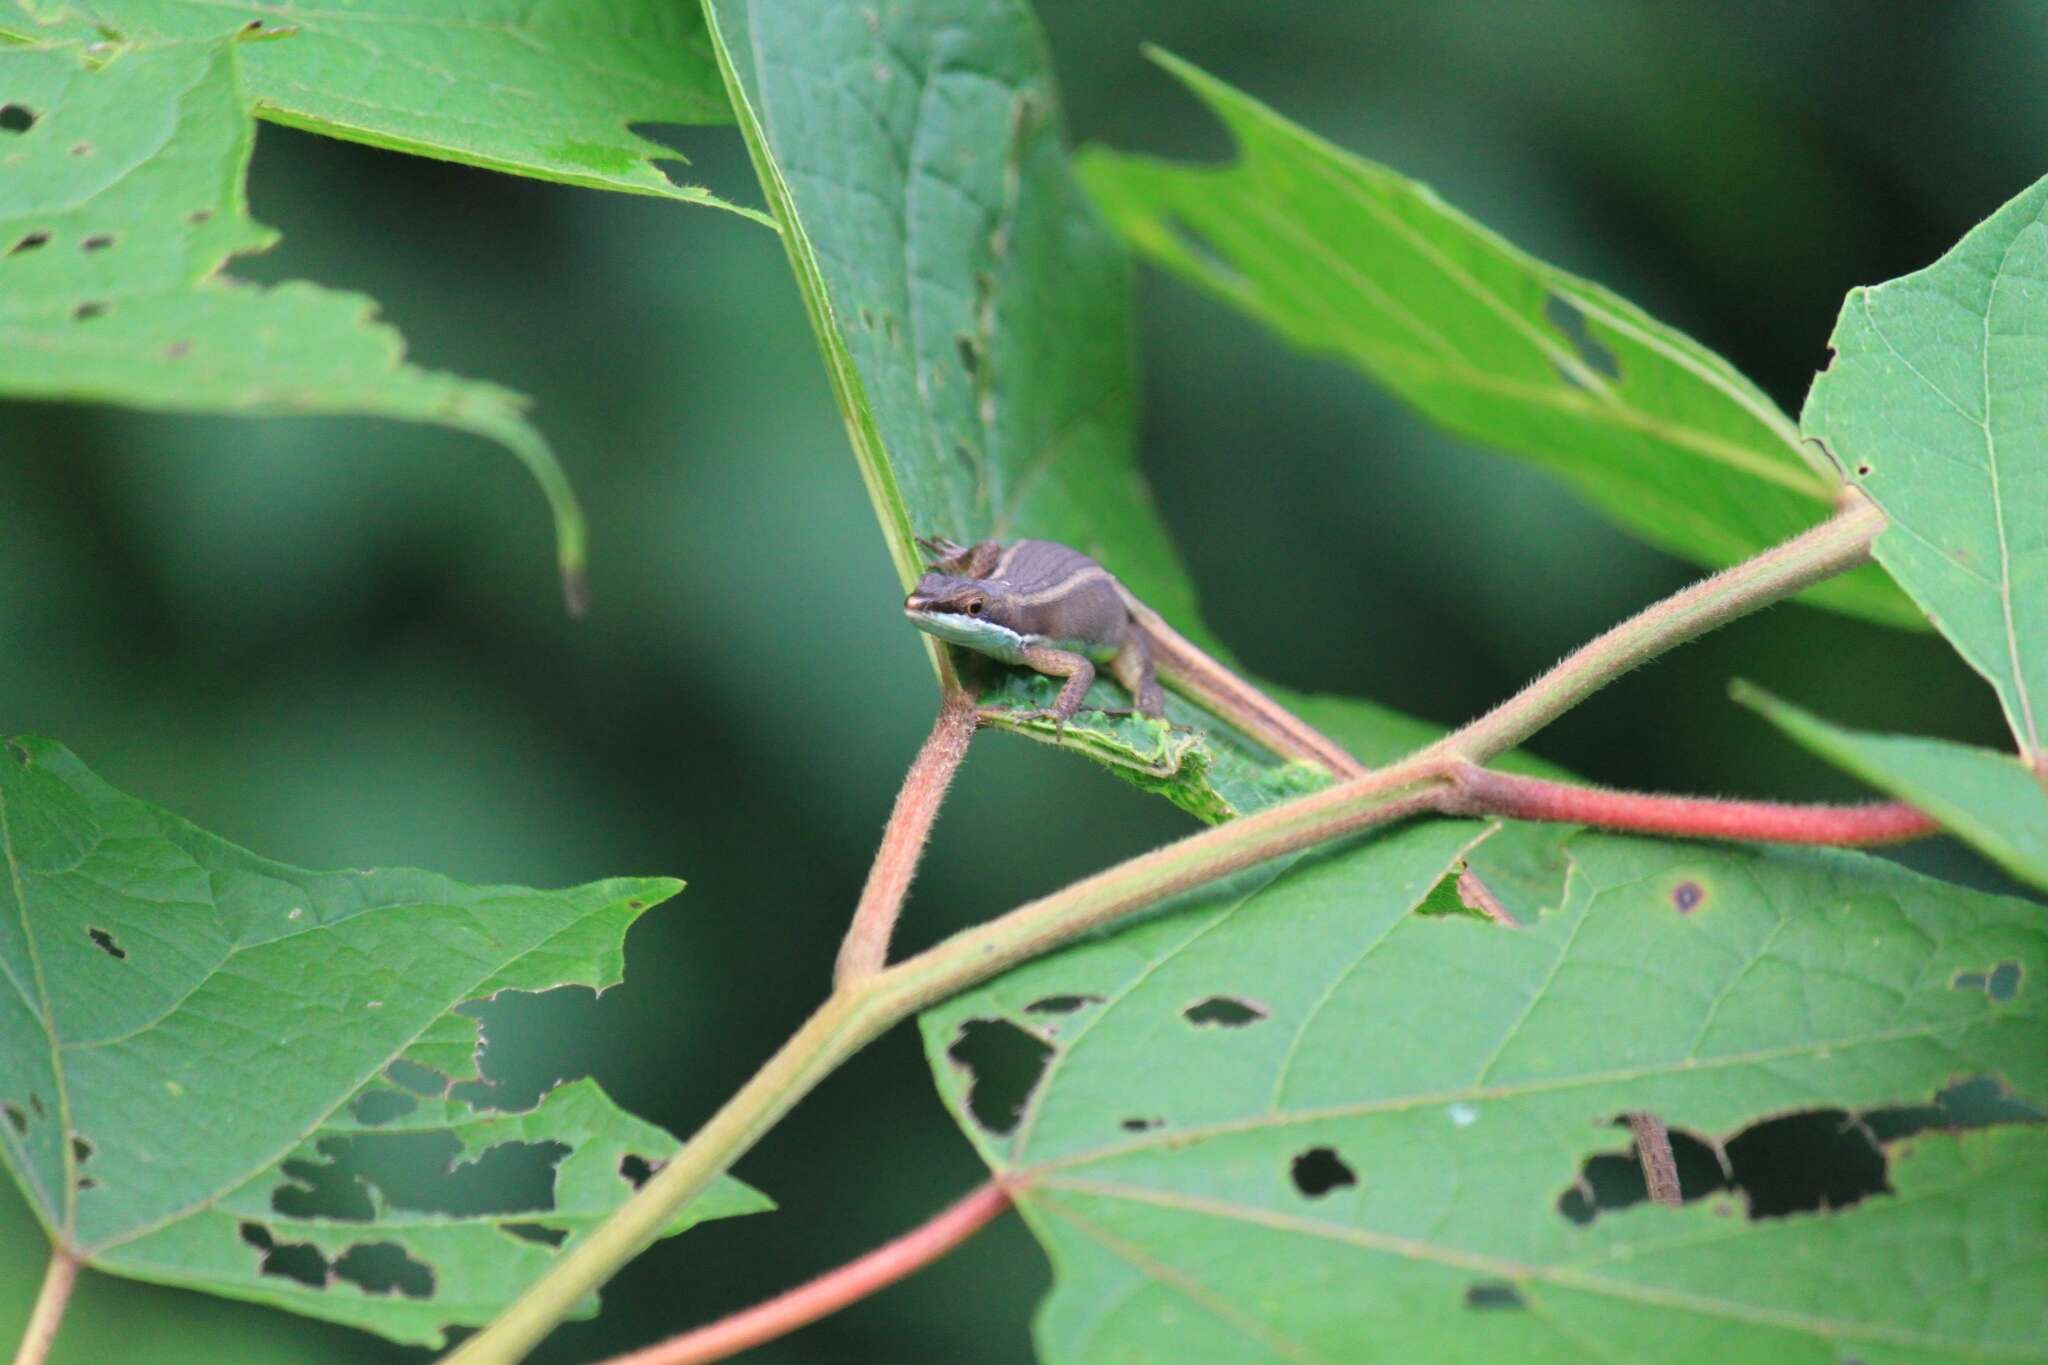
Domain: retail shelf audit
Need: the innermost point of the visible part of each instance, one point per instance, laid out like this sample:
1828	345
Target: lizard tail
1199	677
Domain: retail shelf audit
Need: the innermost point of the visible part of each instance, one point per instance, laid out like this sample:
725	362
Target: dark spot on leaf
29	243
536	1232
867	317
81	1150
35	1102
1319	1170
1141	1125
1687	896
299	1261
177	350
99	241
106	943
1863	470
1061	1004
421	1080
636	905
86	312
889	326
1003	1063
382	1267
85	1182
1493	1294
1565	316
965	455
16	1118
198	215
374	1107
2001	983
970	358
635	1170
1222	1011
81	149
1807	1162
16	118
253	26
21	754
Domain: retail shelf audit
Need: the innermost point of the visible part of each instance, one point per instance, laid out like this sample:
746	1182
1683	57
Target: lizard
1048	607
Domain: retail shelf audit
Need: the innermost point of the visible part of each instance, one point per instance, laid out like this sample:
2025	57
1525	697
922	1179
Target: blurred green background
340	643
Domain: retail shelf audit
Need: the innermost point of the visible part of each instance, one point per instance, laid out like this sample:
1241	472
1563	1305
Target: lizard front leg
1060	663
1133	667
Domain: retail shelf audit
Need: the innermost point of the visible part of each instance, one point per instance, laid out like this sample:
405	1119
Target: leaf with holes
545	90
1292	1119
1986	798
975	313
1933	405
215	1068
121	200
1344	257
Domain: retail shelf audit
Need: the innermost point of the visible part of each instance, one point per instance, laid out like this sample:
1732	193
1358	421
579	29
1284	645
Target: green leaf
545	90
121	203
1933	406
1345	258
1294	1120
975	316
204	1057
1986	798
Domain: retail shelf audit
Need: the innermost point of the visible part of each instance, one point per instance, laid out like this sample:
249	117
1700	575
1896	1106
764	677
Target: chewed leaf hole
1061	1004
16	118
1223	1011
536	1232
1003	1063
2001	983
1565	316
106	944
1808	1162
374	1107
421	1080
81	1150
384	1268
1319	1170
636	1170
419	1173
299	1261
1493	1294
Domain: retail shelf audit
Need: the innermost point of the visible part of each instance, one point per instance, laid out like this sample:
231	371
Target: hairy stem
833	1290
866	946
1835	546
48	1314
864	1009
1483	791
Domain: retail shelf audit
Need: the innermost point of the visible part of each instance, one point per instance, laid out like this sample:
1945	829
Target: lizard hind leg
1133	668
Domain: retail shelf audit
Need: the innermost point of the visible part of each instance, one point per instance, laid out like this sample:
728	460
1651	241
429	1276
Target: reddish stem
865	949
833	1290
1482	791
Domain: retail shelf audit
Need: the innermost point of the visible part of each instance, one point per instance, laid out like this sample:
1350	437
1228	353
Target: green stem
1837	545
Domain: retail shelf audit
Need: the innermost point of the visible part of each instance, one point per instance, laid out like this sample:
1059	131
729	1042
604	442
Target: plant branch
833	1290
1835	546
1484	791
866	947
864	1009
1660	1166
48	1314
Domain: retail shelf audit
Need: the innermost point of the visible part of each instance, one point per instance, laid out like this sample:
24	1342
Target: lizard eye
974	606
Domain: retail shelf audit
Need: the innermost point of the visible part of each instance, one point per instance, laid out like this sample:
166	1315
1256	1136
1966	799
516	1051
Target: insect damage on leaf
2000	983
1003	1062
1809	1161
1319	1170
1223	1011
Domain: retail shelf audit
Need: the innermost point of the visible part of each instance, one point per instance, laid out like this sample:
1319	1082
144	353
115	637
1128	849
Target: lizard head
968	612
